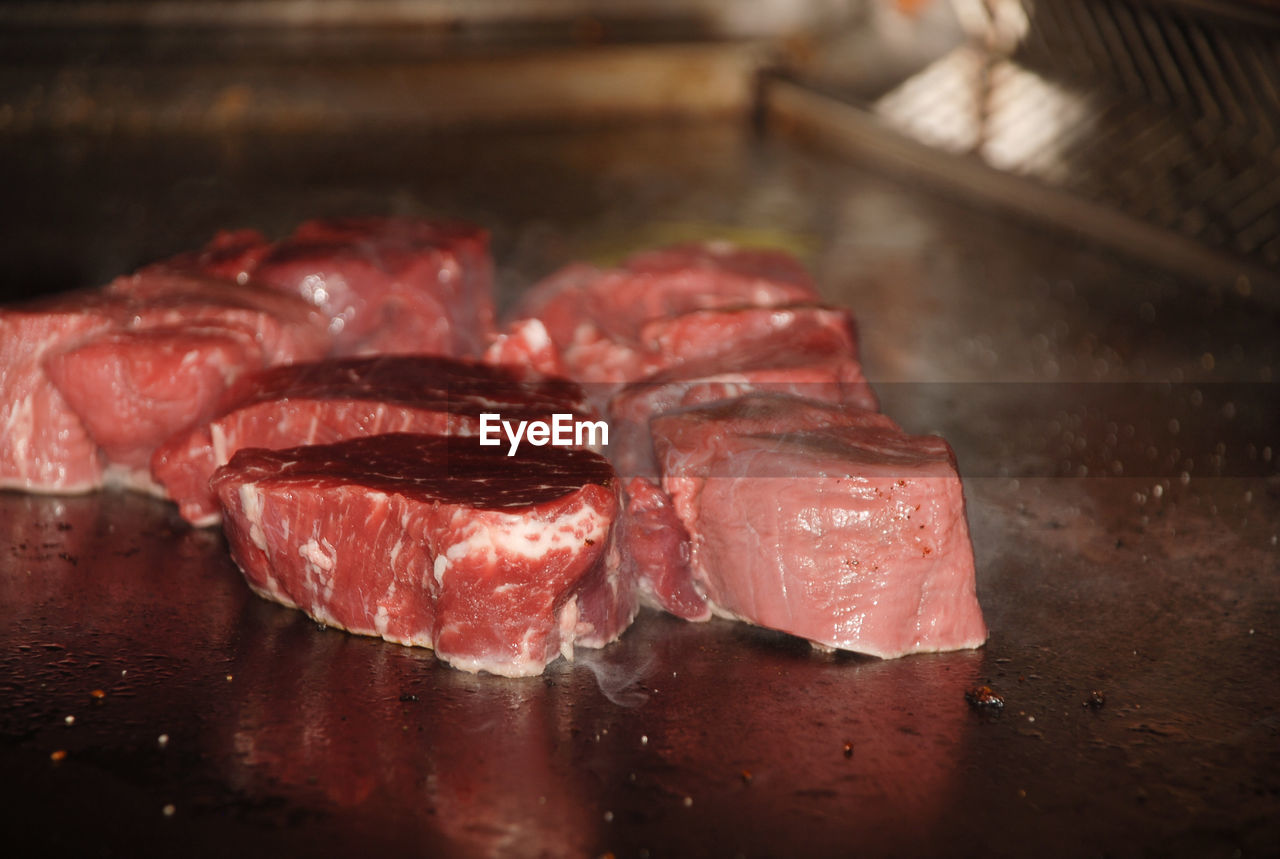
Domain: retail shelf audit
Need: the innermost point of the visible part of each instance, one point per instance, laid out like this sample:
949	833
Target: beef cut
596	316
384	284
169	365
388	284
92	382
97	378
499	563
656	545
656	552
809	351
43	445
328	401
836	526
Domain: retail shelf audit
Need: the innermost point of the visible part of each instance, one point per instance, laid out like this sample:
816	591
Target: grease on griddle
984	698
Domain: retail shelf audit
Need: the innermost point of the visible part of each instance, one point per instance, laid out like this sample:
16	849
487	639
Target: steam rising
618	682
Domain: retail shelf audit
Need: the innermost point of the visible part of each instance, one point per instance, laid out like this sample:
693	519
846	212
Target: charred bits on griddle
1095	701
985	699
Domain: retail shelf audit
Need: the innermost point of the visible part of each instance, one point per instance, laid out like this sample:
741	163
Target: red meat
499	563
846	532
336	399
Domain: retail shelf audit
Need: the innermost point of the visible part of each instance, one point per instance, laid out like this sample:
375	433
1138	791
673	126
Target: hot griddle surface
1118	433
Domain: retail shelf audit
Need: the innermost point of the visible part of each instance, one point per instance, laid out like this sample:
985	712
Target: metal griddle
1117	428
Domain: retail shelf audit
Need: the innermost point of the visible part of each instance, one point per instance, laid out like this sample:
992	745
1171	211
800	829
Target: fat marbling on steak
851	533
339	398
499	563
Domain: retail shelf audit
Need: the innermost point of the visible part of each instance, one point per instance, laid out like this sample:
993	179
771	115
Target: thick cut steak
101	377
390	285
43	445
655	543
181	342
596	316
852	535
336	399
499	563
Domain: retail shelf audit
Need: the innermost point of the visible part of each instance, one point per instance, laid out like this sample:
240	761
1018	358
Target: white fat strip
527	536
251	503
218	437
19	427
119	476
441	564
315	554
320	613
568	628
535	333
310	434
208	520
525	650
382	618
319	565
502	665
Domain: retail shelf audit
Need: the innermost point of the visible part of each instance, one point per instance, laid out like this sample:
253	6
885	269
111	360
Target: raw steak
850	535
805	350
499	563
43	444
596	316
336	399
390	285
656	545
182	341
124	367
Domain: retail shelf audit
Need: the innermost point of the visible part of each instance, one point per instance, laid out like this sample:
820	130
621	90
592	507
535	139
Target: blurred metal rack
1149	126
